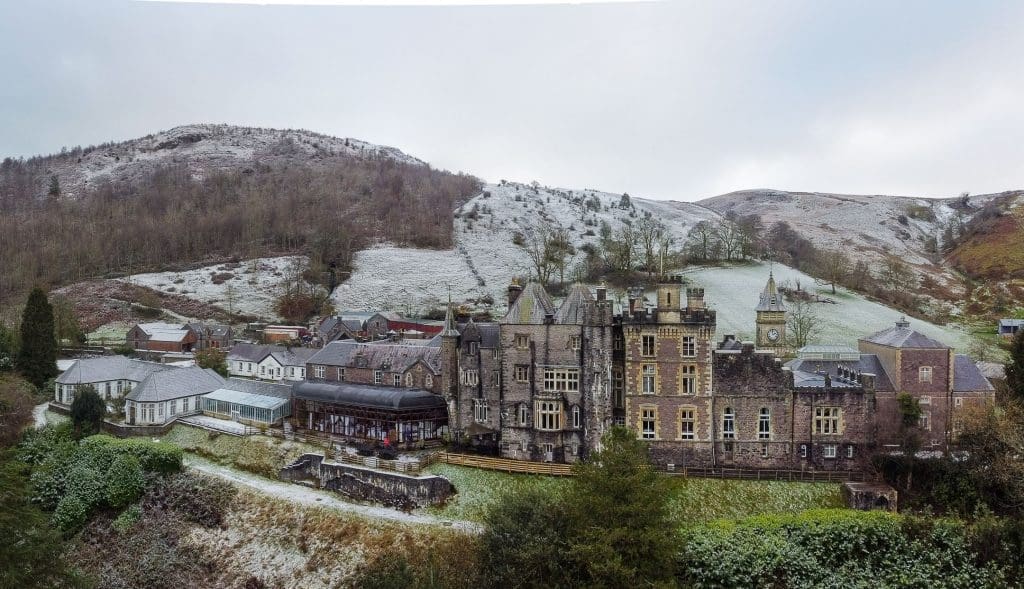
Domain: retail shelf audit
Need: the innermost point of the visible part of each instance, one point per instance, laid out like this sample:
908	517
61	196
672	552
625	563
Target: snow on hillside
733	293
249	287
485	257
205	148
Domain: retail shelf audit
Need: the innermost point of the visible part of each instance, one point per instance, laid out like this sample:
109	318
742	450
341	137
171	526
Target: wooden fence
505	464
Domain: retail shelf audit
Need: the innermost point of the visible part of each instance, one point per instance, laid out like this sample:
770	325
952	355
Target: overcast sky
662	99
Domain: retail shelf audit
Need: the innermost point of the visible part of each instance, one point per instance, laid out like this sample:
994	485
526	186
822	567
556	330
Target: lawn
693	500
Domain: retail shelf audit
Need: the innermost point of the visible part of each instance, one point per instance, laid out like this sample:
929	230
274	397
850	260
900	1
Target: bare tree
700	241
649	232
835	266
731	237
897	275
802	323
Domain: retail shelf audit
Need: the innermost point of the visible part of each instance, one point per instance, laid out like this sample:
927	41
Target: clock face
773	334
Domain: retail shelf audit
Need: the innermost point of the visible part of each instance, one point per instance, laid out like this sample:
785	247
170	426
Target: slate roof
361	395
176	383
211	330
391	357
967	377
530	307
811	373
257	353
104	368
771	298
901	336
573	308
1011	323
255	387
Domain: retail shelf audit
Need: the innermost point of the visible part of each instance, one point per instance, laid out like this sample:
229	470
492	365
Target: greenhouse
246	407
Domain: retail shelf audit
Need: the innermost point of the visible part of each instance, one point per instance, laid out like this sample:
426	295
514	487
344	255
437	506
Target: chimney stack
514	290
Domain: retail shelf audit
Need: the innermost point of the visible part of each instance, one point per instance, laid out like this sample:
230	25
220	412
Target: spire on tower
450	329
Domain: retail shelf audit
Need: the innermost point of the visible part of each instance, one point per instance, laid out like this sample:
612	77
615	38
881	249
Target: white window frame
728	424
521	341
648	345
561	380
689	346
524	414
408	379
575	342
521	372
577	417
648	375
688	380
397	380
849	450
803	450
548	416
764	424
319	371
428	381
829	451
378	377
924	374
827	421
648	422
480	410
687	423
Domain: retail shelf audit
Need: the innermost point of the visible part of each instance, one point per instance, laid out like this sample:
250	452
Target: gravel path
306	496
39	414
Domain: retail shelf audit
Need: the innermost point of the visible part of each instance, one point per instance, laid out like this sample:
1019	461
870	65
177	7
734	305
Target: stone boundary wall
391	489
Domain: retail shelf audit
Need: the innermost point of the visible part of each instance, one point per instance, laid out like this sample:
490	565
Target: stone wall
868	496
391	489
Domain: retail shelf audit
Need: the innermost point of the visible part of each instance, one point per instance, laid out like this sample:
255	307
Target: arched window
428	382
524	414
408	379
728	424
576	417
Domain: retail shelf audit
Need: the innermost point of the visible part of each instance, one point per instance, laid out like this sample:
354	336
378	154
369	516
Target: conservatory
250	408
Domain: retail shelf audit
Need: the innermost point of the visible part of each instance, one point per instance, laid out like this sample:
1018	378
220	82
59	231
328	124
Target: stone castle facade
546	381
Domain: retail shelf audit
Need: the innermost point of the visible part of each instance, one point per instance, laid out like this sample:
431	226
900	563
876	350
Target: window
617	343
849	451
263	370
803	450
159	409
120	388
561	379
106	394
957	401
549	415
648	379
341	373
522	341
689	346
291	371
925	421
689	379
764	424
648	418
173	406
428	381
398	380
829	450
647	345
318	371
577	417
924	374
686	424
524	414
408	379
480	409
494	353
473	348
618	389
728	424
378	376
470	377
764	450
826	420
574	342
521	372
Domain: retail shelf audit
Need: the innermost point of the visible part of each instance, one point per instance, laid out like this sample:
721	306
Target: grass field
693	500
262	455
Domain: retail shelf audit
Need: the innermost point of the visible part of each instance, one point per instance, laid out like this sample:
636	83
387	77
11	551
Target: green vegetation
842	548
87	411
262	455
691	500
1015	368
213	358
37	354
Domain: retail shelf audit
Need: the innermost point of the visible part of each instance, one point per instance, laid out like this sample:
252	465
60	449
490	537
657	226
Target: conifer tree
1015	367
37	357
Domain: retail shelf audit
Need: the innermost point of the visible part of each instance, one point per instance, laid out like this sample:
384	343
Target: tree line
329	211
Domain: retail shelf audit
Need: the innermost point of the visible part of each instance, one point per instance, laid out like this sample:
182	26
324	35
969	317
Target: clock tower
771	319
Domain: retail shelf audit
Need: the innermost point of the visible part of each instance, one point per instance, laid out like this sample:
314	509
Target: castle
546	381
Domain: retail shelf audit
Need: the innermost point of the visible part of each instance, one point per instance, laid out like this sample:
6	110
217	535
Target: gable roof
390	357
176	383
967	377
574	307
901	336
530	307
104	368
285	356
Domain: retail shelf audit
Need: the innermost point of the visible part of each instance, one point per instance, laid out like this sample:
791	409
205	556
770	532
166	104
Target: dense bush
834	548
128	518
71	514
160	457
125	481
